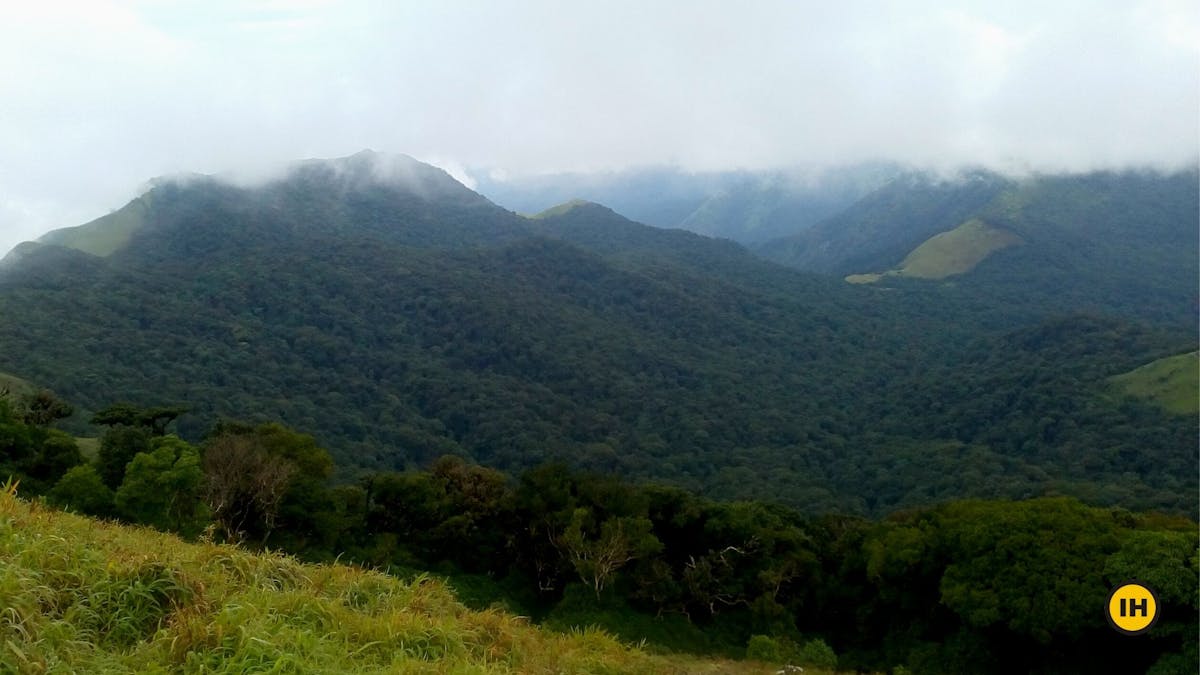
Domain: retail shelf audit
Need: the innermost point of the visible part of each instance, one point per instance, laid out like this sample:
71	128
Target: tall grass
80	595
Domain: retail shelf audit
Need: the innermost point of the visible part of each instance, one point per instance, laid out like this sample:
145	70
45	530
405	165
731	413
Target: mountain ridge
399	327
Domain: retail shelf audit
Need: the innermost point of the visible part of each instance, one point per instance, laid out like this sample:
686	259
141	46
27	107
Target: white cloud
95	97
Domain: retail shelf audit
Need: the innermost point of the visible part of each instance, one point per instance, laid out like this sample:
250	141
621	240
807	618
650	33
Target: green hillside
561	209
1113	243
106	234
87	596
14	387
880	229
402	320
1172	382
949	253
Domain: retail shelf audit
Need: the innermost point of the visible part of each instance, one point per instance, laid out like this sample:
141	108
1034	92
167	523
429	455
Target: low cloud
99	96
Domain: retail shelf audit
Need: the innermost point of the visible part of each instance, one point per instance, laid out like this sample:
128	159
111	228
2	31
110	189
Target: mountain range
746	206
397	315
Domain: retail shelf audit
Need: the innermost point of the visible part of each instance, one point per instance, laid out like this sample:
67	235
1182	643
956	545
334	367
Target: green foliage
267	478
43	408
1036	572
597	550
154	419
813	653
162	487
685	573
1010	570
31	453
817	653
764	648
118	446
81	489
58	452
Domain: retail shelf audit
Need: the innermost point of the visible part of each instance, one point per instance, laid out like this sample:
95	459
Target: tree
118	414
82	489
244	485
304	514
162	487
118	446
154	420
43	408
57	452
597	553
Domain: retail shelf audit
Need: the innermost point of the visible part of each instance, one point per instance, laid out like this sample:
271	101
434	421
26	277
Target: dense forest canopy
397	316
965	586
592	421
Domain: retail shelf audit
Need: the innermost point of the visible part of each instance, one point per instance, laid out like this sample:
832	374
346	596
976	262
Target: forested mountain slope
878	230
398	316
1122	243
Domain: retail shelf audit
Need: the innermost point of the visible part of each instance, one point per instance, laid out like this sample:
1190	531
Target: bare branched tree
596	558
244	484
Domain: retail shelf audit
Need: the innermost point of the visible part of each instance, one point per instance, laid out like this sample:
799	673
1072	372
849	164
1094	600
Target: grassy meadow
1172	382
957	251
81	595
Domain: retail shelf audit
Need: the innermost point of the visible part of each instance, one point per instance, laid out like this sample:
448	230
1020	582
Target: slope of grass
15	386
943	255
85	596
1172	382
106	234
957	251
561	209
88	446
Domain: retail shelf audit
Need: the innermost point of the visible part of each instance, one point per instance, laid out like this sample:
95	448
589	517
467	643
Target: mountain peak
391	196
567	207
367	168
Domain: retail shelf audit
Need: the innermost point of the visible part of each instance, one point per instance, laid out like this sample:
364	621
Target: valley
438	371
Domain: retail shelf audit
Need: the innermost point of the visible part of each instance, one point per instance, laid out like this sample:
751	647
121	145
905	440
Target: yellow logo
1132	608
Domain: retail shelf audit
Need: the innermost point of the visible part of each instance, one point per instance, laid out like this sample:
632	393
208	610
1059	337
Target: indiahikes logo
1132	608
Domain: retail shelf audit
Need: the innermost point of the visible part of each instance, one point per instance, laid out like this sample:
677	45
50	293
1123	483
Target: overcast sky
98	96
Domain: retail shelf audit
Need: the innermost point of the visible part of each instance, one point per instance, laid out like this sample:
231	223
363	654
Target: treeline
967	586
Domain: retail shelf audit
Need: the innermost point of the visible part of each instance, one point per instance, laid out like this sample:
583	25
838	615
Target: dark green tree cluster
242	483
30	450
969	586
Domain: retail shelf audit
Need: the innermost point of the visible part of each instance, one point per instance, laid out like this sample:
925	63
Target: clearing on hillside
106	234
14	387
954	252
1173	383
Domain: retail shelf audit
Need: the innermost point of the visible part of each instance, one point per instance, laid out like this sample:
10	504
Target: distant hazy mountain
745	206
379	304
1126	243
879	229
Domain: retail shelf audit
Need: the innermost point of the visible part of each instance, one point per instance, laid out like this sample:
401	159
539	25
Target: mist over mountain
745	206
1123	242
771	336
400	316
